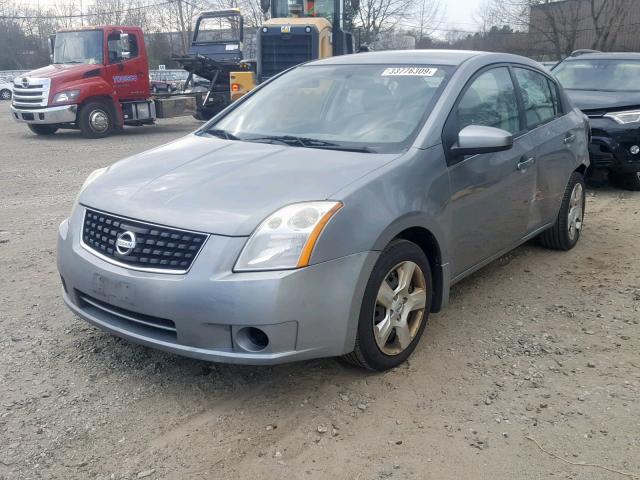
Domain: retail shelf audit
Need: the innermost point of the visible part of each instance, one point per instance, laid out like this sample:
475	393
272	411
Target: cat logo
285	29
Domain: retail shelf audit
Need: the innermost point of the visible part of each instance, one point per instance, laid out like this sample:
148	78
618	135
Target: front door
490	193
127	73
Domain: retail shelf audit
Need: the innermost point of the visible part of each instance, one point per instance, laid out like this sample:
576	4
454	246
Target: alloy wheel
576	211
399	309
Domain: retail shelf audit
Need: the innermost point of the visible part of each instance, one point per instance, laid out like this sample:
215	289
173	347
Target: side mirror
124	45
265	5
52	43
477	139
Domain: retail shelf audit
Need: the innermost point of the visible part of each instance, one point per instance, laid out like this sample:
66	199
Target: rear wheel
565	233
42	129
95	119
5	94
395	308
628	181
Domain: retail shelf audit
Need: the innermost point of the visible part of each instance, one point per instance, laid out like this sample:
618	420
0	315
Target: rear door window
539	103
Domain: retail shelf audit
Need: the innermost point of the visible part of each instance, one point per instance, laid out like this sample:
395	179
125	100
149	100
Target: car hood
596	100
223	187
60	70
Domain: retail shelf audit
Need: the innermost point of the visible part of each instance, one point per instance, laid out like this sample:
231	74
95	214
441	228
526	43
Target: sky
459	14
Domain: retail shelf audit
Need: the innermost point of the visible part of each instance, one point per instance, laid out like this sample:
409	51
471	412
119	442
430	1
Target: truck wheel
95	119
42	129
395	308
565	233
5	94
628	181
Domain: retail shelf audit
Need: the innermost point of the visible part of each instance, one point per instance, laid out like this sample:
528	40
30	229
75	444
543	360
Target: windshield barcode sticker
409	71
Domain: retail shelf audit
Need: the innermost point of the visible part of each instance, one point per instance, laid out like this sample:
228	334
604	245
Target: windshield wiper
218	132
308	143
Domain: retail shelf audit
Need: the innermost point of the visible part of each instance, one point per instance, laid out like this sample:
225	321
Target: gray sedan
328	212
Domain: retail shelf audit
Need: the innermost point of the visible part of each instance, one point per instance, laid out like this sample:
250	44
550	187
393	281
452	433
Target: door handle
525	163
569	138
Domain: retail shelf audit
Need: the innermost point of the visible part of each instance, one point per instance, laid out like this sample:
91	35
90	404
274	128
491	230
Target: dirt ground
532	371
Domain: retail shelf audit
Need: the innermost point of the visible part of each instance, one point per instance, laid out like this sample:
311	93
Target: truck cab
300	31
98	81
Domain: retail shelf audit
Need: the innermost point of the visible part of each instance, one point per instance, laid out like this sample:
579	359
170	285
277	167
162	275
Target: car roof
424	57
605	56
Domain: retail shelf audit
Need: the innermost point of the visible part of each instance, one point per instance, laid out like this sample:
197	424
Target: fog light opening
252	339
635	150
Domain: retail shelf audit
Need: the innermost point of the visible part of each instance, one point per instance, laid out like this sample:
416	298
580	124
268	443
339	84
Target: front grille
280	52
151	247
122	317
31	92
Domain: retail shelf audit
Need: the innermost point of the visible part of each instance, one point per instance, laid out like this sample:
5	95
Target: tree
560	27
379	16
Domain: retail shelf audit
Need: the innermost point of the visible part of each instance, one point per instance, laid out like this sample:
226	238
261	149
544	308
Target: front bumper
45	115
306	313
611	143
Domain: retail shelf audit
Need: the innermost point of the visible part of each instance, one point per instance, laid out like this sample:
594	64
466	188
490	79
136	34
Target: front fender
91	88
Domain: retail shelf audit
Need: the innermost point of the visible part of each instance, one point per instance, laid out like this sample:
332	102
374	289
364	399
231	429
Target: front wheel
628	181
5	94
395	308
565	233
95	119
40	129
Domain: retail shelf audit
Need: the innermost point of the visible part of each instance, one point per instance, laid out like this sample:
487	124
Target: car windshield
607	75
376	108
219	30
78	47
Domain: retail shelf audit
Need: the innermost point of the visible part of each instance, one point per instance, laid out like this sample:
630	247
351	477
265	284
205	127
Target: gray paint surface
475	209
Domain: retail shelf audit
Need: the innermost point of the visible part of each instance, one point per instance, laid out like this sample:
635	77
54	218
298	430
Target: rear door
490	193
555	135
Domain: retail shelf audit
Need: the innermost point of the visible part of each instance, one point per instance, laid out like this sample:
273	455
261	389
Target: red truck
98	82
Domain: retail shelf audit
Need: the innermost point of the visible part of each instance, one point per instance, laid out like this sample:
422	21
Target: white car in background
6	90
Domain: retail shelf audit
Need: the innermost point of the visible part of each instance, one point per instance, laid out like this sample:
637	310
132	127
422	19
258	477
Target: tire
565	233
5	94
95	119
405	319
40	129
628	181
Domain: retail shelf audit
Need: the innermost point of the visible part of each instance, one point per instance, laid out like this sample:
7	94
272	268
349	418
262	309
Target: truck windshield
304	8
373	108
78	47
218	30
605	75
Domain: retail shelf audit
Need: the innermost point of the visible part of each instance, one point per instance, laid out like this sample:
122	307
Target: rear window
599	74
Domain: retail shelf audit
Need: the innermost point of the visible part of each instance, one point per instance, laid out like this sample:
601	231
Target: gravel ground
531	372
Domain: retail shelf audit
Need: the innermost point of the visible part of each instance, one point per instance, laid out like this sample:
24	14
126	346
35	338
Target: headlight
631	116
285	240
66	97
